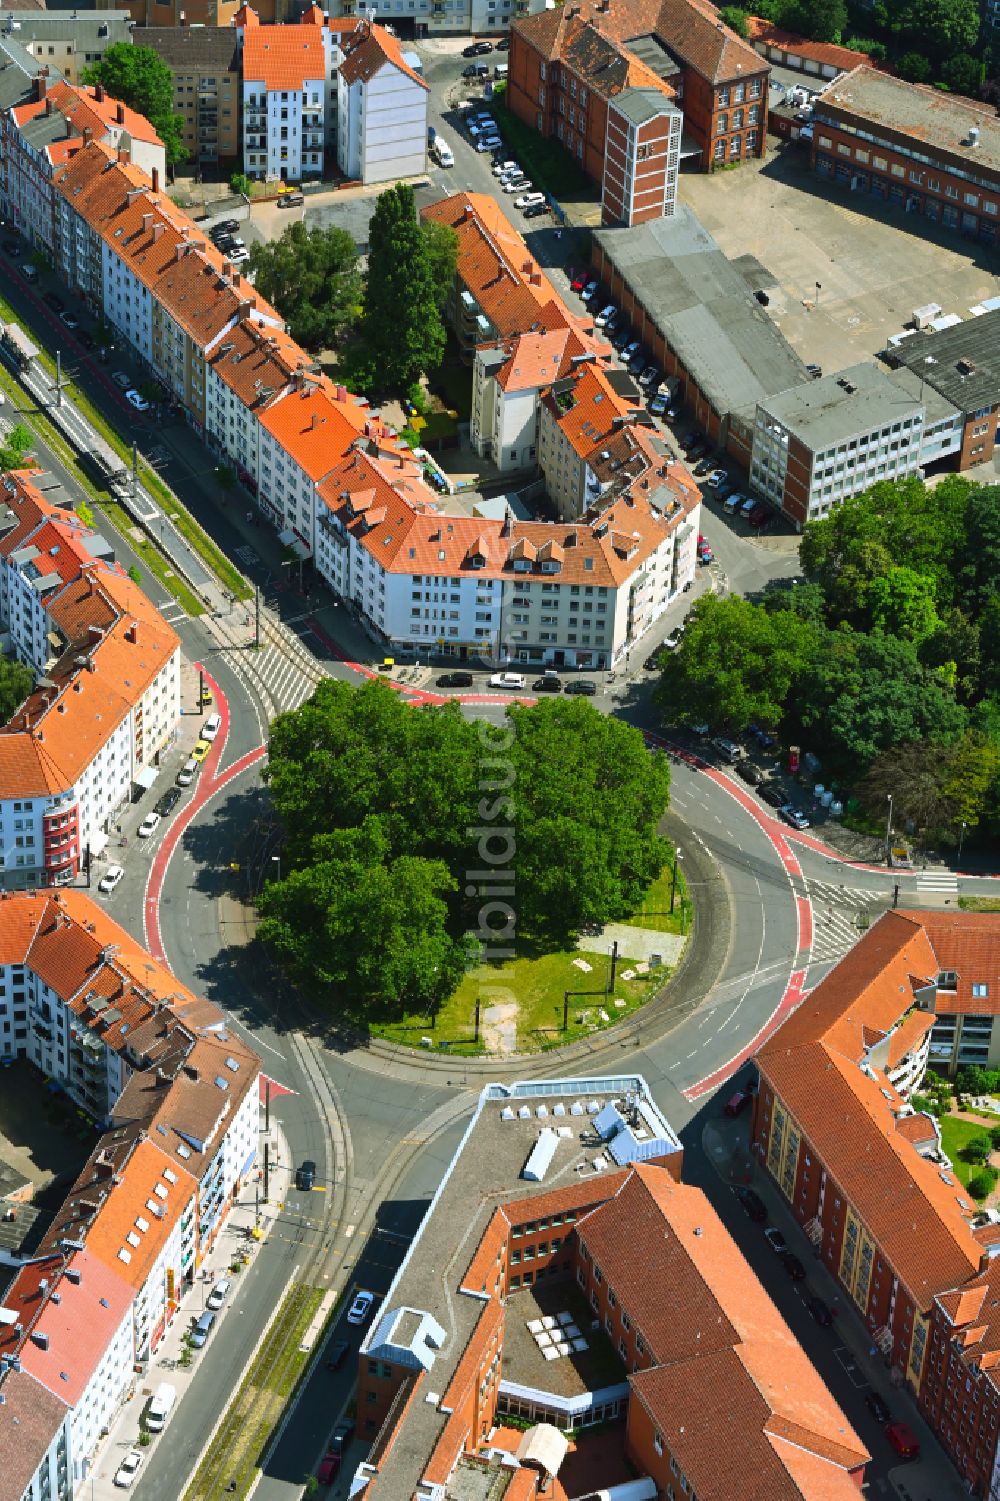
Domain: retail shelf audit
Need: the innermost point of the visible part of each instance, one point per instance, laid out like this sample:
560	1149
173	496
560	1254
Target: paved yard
874	264
41	1134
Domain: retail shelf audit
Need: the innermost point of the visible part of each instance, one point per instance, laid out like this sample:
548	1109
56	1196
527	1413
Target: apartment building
288	95
179	14
107	693
960	365
67	42
423	18
178	1098
381	109
40	137
691	1390
641	158
924	153
205	65
822	441
568	65
863	1174
966	1031
508	378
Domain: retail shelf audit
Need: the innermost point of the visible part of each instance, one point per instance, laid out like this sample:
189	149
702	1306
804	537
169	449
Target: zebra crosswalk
282	683
941	882
840	915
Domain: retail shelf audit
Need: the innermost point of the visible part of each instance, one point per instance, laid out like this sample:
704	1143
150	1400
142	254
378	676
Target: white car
360	1308
605	314
716	478
486	126
503	169
187	773
211	727
590	291
128	1469
110	878
528	200
488	143
513	681
136	399
517	185
149	825
237	257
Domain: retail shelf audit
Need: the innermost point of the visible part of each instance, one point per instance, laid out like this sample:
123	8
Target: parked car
749	773
360	1308
55	303
878	1407
654	662
203	1328
586	686
224	227
704	467
128	1469
722	489
734	500
590	290
715	478
512	682
814	371
650	378
615	321
187	773
773	796
168	802
728	749
706	555
622	338
455	680
737	1103
121	379
338	1354
631	351
342	1435
775	1240
70	320
696	451
794	816
326	1470
149	825
110	879
200	751
86	340
12	248
477	49
605	313
476	70
674	639
579	281
637	362
819	1311
753	1204
488	143
764	739
219	1294
793	1266
760	515
546	684
504	44
503	168
529	200
137	400
481	125
305	1175
518	184
903	1440
658	405
211	727
535	209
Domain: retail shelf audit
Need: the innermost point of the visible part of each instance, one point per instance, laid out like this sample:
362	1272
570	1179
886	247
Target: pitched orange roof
128	1233
89	107
77	1329
372	50
313	428
283	57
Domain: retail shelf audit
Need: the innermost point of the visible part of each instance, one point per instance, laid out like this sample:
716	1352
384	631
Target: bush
995	1138
735	19
977	1150
981	1184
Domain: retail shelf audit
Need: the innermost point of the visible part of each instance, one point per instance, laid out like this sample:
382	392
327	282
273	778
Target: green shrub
977	1150
981	1184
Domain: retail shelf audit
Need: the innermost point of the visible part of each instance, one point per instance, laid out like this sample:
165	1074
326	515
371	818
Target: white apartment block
382	110
289	72
421	18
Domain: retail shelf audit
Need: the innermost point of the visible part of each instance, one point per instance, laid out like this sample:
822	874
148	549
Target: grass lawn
955	1135
979	903
537	985
654	911
549	165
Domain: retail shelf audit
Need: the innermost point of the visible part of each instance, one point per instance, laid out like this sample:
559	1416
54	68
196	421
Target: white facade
176	1254
446	17
284	129
382	126
128	304
287	492
504	424
105	1393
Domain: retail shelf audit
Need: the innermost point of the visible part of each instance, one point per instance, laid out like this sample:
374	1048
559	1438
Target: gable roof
372	49
284	57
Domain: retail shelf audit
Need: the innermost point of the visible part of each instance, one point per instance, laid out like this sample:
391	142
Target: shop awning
98	842
147	777
289	539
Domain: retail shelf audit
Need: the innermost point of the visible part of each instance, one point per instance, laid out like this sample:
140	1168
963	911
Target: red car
903	1440
580	280
737	1103
328	1467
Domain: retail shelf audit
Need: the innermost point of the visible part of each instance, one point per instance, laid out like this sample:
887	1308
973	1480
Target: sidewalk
932	1477
232	1240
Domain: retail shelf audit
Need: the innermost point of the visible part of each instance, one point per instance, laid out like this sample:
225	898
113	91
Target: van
211	727
219	1294
202	1329
500	71
442	152
160	1407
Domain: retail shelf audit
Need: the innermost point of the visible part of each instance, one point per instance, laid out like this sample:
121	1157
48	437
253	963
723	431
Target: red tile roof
372	49
967	943
84	107
763	31
283	57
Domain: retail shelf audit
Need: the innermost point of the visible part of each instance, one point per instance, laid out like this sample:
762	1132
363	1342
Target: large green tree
737	662
15	447
402	328
140	78
15	685
588	797
939	27
936	788
312	278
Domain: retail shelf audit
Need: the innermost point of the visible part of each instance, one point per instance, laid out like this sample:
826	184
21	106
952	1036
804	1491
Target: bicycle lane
208	787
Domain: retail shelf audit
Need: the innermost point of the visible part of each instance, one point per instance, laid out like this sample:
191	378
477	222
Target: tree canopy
140	78
16	447
312	278
15	685
390	811
402	329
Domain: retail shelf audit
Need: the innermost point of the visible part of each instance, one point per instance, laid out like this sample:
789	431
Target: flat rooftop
704	309
484	1174
962	363
857	400
939	120
567	1320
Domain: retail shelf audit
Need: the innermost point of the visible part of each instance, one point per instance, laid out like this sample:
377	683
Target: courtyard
787	231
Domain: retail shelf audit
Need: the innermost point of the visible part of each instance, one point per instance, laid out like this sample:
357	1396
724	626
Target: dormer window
948	979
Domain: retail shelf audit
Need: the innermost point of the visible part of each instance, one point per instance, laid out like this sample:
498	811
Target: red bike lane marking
794	994
207	787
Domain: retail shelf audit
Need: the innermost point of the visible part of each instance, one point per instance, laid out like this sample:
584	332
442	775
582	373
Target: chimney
156	179
132	634
122	157
99	93
157	231
315	421
42	84
88	135
120	114
50	108
147	220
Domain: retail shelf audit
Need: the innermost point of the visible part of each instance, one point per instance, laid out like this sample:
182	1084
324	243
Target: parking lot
874	264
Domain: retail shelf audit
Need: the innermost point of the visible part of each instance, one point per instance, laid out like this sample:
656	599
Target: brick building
535	1289
926	153
961	364
568	65
204	62
863	1174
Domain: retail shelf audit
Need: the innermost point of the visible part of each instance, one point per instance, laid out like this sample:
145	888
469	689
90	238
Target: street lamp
888	827
673	877
276	860
961	840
